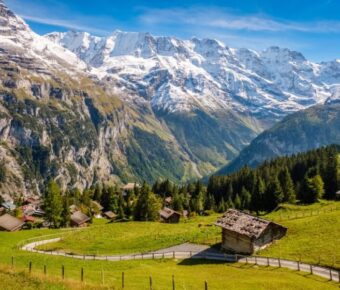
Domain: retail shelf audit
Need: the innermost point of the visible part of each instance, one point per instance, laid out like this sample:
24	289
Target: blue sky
312	27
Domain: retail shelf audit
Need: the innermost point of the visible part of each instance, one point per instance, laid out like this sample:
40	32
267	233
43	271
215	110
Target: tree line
301	178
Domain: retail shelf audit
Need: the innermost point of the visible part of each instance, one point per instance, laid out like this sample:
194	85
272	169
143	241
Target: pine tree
331	176
245	198
147	206
66	215
287	186
53	204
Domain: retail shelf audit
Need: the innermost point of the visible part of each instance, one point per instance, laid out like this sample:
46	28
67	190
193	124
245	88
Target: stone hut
245	234
169	215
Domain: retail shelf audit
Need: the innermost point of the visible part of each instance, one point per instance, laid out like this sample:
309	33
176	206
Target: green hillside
137	273
305	130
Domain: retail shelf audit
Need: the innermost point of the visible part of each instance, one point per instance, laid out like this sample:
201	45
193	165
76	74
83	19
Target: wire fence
298	265
306	213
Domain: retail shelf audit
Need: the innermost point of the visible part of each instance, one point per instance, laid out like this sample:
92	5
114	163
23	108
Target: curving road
193	251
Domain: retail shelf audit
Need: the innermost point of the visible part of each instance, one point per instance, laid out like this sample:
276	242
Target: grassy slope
219	276
12	279
309	236
136	237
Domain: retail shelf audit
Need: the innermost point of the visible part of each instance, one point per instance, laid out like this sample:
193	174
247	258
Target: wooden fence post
150	281
206	285
279	262
267	261
330	275
82	275
311	269
45	270
173	255
30	267
298	264
102	273
339	276
173	283
123	280
63	272
12	261
255	260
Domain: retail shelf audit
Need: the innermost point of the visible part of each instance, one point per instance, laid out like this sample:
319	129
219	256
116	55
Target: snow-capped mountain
16	37
131	106
183	75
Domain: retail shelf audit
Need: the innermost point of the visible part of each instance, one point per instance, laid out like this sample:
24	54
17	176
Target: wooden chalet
10	224
79	219
110	215
245	234
169	215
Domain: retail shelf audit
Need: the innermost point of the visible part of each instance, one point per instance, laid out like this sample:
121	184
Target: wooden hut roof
10	223
79	218
110	215
167	212
243	223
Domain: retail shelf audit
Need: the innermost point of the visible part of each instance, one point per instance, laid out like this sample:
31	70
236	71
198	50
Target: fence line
305	213
325	272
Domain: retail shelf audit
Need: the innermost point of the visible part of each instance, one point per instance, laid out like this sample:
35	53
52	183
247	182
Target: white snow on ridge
181	75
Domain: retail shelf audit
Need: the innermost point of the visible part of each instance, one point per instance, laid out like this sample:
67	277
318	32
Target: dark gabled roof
166	212
110	214
79	218
243	223
10	223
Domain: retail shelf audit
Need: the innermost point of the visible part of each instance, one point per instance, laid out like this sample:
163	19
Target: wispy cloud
64	23
59	16
224	19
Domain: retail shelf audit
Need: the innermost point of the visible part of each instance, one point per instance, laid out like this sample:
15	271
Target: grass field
136	237
188	274
311	237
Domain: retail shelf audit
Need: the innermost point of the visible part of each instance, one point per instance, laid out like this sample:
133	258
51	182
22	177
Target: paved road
193	251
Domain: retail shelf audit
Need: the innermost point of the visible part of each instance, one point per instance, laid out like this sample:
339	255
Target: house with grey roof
245	234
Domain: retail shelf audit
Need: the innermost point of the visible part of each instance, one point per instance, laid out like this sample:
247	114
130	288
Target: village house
129	187
168	201
79	219
10	224
337	195
168	215
245	234
110	215
9	205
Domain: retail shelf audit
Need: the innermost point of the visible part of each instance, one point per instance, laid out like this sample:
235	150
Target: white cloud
224	19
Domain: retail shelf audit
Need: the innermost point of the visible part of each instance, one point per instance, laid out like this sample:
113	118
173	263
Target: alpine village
135	161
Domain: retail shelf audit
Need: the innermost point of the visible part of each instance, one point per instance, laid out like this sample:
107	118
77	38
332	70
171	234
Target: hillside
137	273
302	131
312	233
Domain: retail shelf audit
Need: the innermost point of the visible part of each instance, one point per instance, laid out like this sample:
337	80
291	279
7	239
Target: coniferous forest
303	178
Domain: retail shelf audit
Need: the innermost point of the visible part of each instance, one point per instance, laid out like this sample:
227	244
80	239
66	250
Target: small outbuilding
169	215
337	195
79	219
110	215
245	234
10	224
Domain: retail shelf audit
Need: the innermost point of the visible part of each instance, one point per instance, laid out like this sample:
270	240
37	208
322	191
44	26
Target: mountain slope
308	129
57	121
